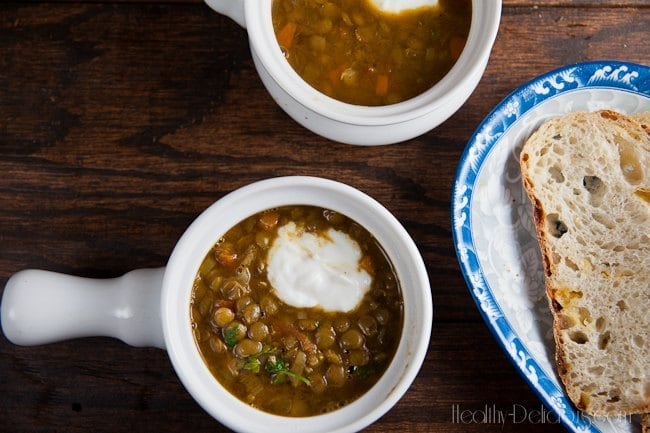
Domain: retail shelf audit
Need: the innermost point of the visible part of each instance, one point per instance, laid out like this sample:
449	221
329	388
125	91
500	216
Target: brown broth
353	52
249	338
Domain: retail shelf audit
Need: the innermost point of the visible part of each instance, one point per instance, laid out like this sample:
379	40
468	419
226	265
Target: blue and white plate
493	227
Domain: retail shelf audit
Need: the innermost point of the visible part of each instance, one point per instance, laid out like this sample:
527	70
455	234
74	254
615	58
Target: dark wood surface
120	121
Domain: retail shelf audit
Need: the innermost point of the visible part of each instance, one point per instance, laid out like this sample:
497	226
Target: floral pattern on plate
493	227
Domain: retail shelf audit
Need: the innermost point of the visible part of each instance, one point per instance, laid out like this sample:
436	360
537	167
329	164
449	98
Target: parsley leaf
277	367
274	365
230	336
253	363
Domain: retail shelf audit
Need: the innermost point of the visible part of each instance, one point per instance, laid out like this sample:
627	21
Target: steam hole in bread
630	162
565	321
626	272
622	305
604	220
585	315
556	173
571	264
601	322
574	206
592	183
643	194
638	340
555	257
596	188
603	340
578	337
544	150
555	227
565	297
597	371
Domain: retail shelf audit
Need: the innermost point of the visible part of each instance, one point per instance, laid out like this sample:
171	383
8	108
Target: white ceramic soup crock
151	307
354	124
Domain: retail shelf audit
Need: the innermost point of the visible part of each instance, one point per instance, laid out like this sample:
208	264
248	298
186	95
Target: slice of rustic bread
643	118
588	177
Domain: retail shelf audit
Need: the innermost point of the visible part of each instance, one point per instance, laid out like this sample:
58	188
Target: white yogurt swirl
397	6
311	270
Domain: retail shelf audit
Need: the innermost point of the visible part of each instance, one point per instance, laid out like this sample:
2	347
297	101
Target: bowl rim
214	221
458	83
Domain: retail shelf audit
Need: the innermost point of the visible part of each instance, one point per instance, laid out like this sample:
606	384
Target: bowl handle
40	307
231	8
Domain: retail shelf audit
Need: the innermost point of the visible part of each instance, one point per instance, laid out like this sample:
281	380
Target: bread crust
583	283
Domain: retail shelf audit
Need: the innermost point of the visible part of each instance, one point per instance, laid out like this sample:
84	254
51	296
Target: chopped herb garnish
365	371
278	368
230	336
253	362
274	365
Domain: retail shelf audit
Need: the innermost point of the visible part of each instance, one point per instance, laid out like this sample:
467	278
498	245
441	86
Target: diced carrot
226	255
286	35
286	329
269	220
335	76
381	87
456	45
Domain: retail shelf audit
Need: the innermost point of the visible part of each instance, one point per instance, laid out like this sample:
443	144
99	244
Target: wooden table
121	120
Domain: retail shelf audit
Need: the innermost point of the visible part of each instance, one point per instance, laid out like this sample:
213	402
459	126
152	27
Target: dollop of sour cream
312	270
397	6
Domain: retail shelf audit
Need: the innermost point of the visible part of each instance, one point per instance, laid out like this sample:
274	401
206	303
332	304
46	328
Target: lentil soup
354	52
282	359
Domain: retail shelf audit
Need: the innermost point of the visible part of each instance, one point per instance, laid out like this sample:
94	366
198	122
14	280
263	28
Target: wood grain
120	121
